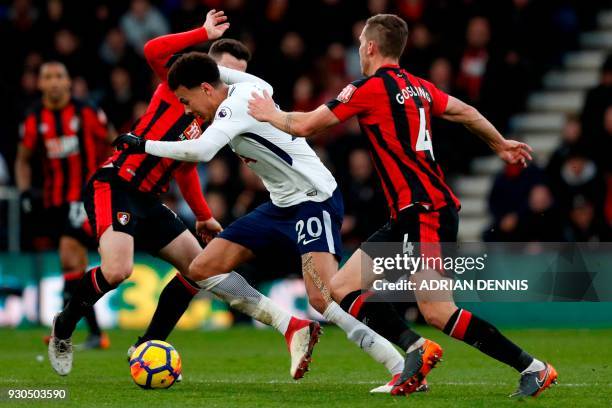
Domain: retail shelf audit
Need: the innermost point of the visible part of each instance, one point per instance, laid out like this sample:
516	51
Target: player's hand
262	107
208	229
130	143
215	24
514	152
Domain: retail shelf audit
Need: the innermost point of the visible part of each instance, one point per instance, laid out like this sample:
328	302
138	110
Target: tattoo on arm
288	120
308	268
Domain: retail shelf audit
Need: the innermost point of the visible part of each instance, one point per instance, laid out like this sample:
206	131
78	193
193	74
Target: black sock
71	283
381	316
90	289
173	301
482	335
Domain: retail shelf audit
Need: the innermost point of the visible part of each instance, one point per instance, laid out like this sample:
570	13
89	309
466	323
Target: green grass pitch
249	367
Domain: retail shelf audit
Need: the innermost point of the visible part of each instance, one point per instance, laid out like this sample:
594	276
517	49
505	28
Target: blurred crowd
570	198
489	53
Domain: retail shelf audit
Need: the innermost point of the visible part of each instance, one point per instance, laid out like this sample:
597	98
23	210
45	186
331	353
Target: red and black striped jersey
394	109
69	140
165	119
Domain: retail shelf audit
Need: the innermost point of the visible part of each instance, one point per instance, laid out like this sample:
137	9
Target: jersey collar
387	66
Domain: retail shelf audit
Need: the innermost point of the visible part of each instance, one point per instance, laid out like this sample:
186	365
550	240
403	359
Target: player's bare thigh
117	254
318	269
220	256
181	251
73	254
436	306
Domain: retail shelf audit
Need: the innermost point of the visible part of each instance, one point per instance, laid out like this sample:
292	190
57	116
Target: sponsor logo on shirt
62	147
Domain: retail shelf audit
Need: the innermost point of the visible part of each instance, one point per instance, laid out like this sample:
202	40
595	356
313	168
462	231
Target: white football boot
60	353
301	337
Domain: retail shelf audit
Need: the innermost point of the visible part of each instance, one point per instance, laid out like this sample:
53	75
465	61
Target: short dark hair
192	69
390	33
233	47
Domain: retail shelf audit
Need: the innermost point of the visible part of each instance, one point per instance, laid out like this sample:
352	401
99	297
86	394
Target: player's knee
117	272
203	267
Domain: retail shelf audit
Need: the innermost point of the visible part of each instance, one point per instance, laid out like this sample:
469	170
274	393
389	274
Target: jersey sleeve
158	51
354	99
439	98
97	121
188	180
28	132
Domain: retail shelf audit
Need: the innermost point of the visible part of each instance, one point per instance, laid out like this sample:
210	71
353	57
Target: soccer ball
155	364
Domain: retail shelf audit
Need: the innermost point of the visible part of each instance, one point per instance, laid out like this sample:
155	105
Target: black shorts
416	224
109	200
426	231
69	220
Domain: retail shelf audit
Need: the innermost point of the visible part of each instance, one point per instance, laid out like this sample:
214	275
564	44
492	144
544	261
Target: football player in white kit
303	217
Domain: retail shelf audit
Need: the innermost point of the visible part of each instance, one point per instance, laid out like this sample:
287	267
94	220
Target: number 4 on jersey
424	139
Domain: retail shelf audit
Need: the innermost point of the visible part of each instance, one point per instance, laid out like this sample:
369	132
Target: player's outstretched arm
158	51
510	151
301	124
202	149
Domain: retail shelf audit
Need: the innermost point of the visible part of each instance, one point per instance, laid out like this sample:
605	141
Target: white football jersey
289	168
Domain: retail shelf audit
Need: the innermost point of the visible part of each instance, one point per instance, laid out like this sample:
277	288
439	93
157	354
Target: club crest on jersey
224	113
123	217
345	95
193	131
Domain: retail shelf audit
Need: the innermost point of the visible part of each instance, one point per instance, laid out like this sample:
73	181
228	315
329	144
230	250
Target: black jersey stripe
159	112
59	132
151	161
384	175
402	133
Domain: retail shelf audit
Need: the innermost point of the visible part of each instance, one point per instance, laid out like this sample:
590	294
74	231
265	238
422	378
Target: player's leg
116	247
73	259
164	235
316	229
442	313
318	269
213	271
367	306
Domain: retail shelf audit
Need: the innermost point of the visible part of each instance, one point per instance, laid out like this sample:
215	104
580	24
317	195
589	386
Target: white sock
236	291
367	339
536	365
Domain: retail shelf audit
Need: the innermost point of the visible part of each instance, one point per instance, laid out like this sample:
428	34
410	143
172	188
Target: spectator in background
141	23
475	57
294	63
509	200
364	204
116	51
353	69
120	98
571	136
541	222
419	52
584	224
578	176
597	101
